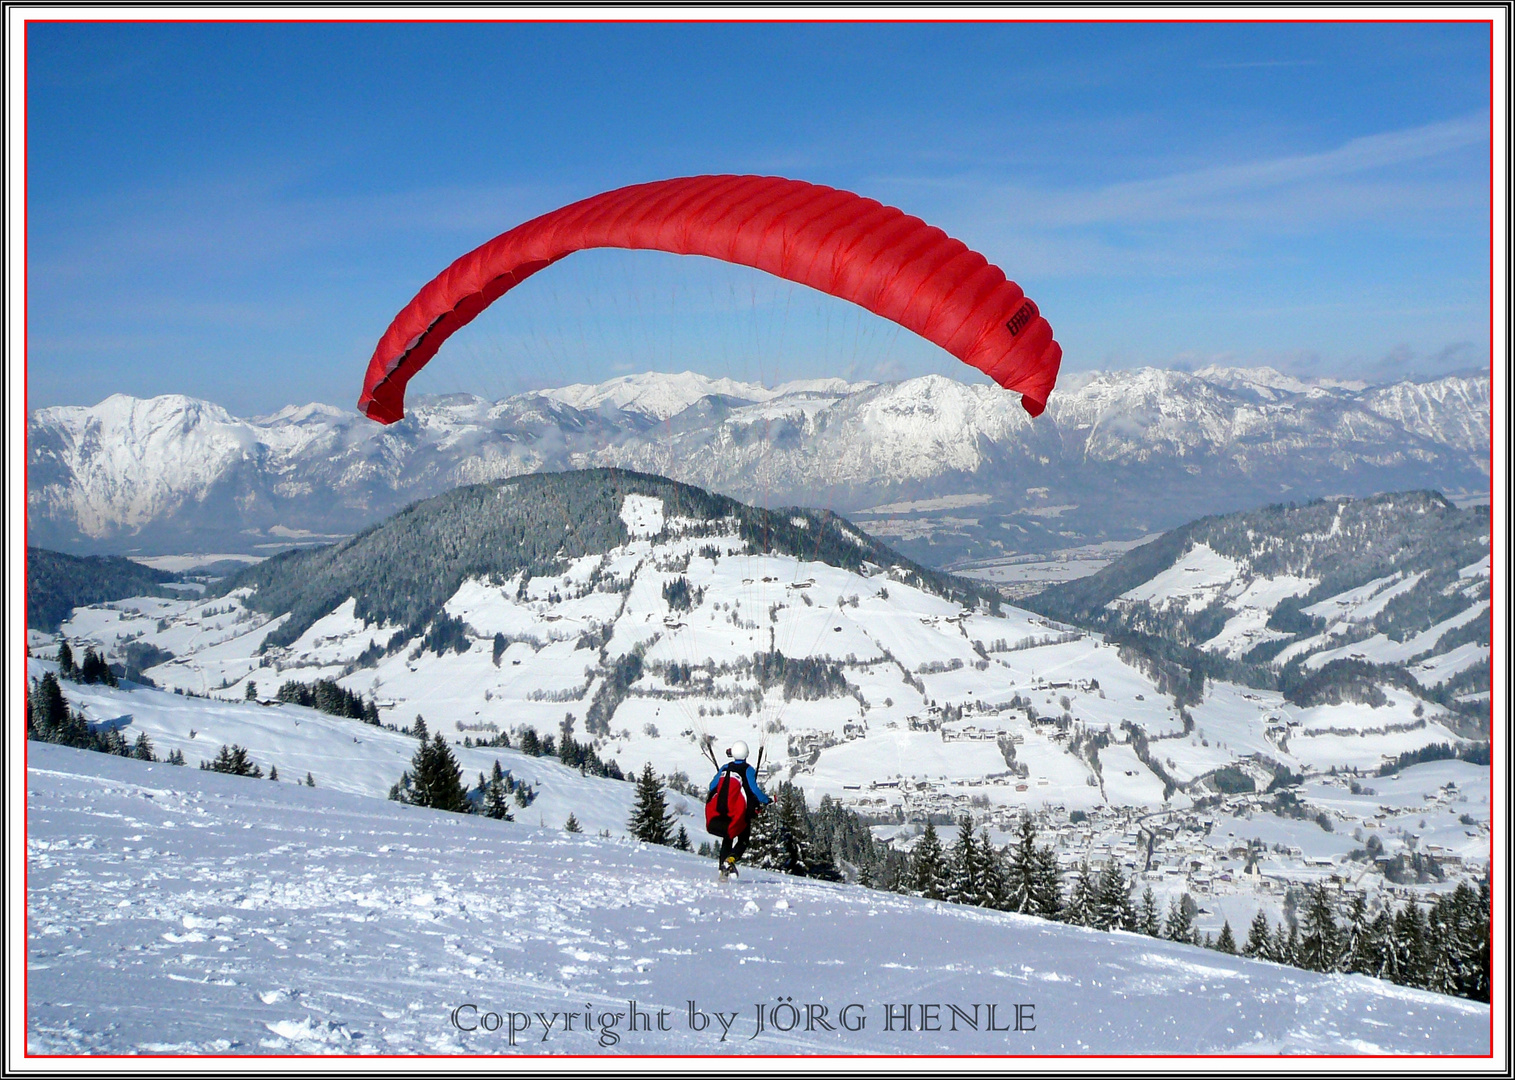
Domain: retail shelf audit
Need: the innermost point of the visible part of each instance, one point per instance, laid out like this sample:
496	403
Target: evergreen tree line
807	678
57	583
328	697
680	596
92	669
626	670
435	780
1023	877
49	719
575	755
1445	950
1476	754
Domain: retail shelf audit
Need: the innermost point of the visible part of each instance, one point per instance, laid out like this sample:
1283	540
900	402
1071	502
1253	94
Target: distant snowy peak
662	396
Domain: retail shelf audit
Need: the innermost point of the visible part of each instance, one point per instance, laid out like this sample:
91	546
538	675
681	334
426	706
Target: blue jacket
749	780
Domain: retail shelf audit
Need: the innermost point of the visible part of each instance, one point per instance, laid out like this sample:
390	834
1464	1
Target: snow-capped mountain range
945	471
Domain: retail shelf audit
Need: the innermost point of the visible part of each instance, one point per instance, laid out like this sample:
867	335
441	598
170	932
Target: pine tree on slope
1259	941
1148	919
928	866
650	820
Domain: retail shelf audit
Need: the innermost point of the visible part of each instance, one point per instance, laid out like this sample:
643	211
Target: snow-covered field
175	911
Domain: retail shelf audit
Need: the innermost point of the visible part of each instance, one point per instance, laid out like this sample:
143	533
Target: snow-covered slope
1116	455
338	753
173	911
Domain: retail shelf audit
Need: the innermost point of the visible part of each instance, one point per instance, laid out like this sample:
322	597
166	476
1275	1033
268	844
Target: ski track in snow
175	911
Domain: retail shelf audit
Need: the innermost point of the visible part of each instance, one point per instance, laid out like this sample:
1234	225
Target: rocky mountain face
947	472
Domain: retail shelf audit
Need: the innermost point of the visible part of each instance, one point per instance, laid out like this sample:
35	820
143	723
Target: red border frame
26	517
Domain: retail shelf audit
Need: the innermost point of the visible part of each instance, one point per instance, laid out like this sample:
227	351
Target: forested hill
401	571
1392	583
58	583
1339	543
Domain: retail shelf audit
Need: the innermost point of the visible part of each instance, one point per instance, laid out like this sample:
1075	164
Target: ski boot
728	869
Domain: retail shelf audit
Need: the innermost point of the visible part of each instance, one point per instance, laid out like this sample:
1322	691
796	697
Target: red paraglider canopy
878	257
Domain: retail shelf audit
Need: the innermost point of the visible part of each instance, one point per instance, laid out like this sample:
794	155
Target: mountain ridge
1116	456
403	570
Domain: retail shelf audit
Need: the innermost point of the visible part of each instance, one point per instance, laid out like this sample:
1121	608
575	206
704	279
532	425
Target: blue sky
236	211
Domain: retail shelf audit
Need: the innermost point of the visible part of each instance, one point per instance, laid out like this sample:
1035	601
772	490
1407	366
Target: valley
892	692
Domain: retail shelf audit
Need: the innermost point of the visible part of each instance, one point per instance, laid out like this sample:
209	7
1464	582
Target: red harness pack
727	809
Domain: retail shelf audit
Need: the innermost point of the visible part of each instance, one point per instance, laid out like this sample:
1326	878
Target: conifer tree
495	804
1112	901
49	709
273	772
1318	936
175	757
1049	886
1377	948
1455	923
433	779
572	824
785	844
681	841
94	669
928	866
1226	943
650	821
233	760
310	781
1021	871
1259	942
963	874
993	883
1352	948
66	668
251	692
1180	923
1148	919
1285	943
1079	911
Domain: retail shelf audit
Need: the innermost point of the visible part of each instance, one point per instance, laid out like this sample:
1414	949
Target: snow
135	470
180	563
176	911
1365	601
663	396
1380	649
1476	570
340	754
643	515
1437	670
1199	577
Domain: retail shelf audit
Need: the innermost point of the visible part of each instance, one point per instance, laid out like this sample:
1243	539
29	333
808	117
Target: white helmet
738	751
